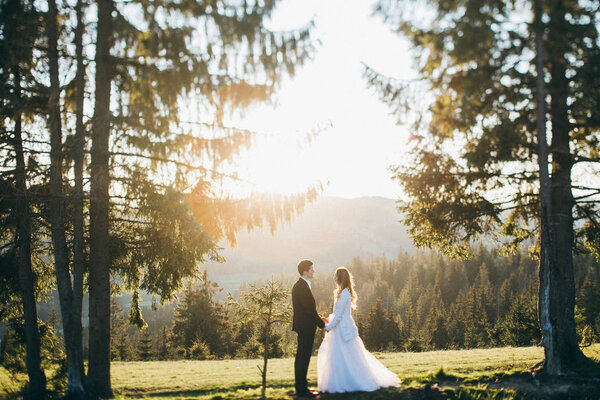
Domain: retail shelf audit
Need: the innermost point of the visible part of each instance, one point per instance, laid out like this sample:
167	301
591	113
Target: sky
359	138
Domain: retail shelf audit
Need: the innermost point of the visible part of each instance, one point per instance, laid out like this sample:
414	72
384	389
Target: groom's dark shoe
306	394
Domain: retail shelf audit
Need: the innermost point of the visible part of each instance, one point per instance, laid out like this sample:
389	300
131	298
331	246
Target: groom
305	321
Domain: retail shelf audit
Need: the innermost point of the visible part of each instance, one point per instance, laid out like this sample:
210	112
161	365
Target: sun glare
357	140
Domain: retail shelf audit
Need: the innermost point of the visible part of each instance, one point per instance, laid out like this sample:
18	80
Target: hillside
331	231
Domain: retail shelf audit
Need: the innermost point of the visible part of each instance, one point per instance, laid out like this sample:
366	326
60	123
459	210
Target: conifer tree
588	301
70	299
215	57
145	347
20	33
374	327
519	327
163	349
456	322
268	305
199	317
435	324
121	348
476	167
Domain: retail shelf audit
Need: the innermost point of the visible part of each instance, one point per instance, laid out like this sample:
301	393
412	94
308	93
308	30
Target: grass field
467	374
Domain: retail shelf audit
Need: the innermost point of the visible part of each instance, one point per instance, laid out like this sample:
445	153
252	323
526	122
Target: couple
343	363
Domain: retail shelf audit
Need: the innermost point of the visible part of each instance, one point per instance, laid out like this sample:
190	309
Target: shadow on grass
506	385
513	384
213	392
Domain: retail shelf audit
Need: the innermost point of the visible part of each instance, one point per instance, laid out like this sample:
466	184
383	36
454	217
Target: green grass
464	374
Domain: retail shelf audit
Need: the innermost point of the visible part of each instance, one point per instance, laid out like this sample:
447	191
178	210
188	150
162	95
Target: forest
415	302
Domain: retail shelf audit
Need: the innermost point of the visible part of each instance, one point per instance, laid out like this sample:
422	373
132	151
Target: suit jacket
306	318
342	316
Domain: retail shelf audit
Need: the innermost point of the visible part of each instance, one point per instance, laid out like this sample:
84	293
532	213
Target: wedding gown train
345	365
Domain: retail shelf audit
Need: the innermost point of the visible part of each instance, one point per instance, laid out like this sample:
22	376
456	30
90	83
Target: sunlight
358	138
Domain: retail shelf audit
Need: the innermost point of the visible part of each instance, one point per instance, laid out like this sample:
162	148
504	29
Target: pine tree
456	322
519	326
268	305
215	57
589	295
145	347
121	348
435	325
373	330
199	317
199	350
485	93
20	33
163	349
588	301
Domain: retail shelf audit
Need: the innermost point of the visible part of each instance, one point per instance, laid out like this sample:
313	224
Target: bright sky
362	139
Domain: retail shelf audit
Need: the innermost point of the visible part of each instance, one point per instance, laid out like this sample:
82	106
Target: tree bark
70	320
557	283
545	197
266	358
99	276
78	227
37	378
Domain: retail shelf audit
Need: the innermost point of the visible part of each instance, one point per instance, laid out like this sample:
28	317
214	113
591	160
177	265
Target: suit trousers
303	353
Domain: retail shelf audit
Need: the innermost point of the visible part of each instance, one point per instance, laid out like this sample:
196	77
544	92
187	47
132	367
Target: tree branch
179	163
578	159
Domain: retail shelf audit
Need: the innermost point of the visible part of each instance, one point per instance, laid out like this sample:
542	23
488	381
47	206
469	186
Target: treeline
427	301
416	302
197	327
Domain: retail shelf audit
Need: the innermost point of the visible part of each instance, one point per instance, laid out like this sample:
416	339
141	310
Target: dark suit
305	321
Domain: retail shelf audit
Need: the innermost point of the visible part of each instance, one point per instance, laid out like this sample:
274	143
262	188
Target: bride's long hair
344	280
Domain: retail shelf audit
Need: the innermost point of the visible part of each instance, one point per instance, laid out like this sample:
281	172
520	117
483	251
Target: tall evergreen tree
477	169
70	311
145	347
588	300
520	327
121	348
435	324
163	349
98	378
199	316
379	329
20	32
170	54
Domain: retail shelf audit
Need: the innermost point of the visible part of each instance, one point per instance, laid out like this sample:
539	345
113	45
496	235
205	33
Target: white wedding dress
343	362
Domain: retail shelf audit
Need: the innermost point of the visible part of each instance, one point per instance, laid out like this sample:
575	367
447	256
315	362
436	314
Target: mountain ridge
331	231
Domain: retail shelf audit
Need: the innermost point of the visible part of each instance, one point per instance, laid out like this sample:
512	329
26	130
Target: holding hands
325	321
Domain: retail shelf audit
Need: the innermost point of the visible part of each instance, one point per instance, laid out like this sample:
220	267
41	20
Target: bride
343	363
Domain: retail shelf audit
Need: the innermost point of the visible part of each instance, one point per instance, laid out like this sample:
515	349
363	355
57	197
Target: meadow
501	373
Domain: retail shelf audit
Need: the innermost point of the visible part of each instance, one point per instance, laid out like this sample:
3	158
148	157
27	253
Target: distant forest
416	302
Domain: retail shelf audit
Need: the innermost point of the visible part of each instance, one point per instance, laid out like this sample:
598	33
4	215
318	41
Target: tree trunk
78	228
70	320
265	360
557	283
99	276
545	196
37	378
266	350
